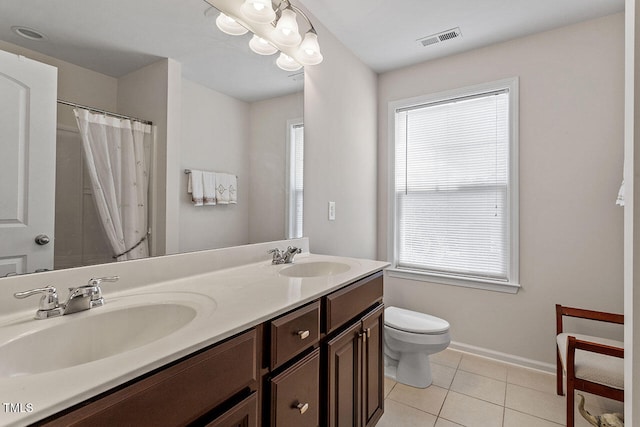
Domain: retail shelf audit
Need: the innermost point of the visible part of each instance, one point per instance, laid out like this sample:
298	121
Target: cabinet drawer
295	396
294	332
176	395
244	414
347	303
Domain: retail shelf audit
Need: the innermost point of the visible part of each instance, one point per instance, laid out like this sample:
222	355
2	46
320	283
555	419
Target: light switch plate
332	211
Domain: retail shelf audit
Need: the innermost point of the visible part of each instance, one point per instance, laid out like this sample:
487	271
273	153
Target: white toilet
409	338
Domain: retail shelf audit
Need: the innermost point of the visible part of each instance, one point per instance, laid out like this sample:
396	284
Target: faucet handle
96	298
97	281
49	298
49	306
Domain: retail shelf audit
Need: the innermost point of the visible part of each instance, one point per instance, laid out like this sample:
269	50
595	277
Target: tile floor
472	391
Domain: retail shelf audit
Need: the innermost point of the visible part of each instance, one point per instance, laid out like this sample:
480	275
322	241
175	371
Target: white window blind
296	180
452	186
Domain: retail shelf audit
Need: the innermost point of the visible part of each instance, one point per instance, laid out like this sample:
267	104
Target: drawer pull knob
302	407
303	335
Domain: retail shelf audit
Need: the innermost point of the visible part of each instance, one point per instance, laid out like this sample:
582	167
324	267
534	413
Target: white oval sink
315	269
87	338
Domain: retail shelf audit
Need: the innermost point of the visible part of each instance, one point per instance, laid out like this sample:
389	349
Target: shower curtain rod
108	113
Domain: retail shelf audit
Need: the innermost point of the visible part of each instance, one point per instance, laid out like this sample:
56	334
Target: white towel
195	188
209	185
222	188
233	189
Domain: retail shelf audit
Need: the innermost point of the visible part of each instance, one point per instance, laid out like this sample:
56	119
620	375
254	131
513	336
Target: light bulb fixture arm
296	9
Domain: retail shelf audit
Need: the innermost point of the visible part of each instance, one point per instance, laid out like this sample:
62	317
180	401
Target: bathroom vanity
268	345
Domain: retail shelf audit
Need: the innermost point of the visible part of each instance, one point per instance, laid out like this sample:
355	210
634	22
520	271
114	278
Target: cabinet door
244	414
372	367
295	396
344	384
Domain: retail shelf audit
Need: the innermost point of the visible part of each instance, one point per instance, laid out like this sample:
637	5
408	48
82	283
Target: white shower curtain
117	155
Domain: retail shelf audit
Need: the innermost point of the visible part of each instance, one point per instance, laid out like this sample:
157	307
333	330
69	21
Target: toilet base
414	369
407	373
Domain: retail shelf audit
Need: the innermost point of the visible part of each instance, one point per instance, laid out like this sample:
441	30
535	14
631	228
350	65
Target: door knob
42	239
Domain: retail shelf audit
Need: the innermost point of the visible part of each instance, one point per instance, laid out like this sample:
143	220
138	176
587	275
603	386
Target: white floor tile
398	415
537	403
483	366
531	378
441	422
442	375
518	419
470	411
480	387
428	399
388	386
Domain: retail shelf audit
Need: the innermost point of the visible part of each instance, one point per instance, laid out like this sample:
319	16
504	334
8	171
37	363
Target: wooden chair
598	368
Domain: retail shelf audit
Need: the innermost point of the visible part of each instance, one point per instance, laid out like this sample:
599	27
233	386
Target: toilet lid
412	321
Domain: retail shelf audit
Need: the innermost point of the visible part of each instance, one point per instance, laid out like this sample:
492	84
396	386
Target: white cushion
594	367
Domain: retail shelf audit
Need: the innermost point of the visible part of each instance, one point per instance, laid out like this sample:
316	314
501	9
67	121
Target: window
454	187
295	182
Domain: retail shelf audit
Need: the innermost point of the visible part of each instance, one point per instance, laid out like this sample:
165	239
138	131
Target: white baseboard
503	357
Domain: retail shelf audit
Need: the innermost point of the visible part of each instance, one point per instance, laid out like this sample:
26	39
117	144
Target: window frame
512	285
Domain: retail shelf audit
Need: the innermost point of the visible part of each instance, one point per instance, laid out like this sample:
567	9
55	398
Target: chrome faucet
284	256
80	298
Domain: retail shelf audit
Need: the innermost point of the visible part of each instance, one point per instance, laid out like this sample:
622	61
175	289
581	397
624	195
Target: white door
28	91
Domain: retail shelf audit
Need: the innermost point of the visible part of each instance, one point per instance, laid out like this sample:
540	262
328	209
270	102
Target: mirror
236	113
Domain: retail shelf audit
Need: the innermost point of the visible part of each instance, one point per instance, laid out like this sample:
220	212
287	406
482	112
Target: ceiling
116	37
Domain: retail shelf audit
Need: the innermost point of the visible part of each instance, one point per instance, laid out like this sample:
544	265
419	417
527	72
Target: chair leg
570	404
559	374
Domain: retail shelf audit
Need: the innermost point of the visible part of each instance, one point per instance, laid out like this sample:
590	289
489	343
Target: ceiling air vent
440	37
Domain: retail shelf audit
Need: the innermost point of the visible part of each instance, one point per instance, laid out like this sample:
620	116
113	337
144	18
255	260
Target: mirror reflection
214	106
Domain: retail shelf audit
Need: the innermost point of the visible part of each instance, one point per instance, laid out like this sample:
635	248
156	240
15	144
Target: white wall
571	151
340	152
215	137
267	163
146	94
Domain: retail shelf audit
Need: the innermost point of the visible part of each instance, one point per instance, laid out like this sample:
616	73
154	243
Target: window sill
487	285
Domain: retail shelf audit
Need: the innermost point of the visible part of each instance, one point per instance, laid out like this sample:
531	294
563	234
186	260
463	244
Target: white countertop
228	301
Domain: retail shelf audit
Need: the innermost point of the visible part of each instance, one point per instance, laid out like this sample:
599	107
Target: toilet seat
414	322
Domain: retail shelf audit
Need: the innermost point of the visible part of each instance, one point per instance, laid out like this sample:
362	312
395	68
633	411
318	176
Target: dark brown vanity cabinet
337	376
217	386
317	365
355	373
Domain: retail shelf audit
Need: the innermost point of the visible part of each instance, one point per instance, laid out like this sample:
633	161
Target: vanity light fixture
274	27
261	46
259	11
287	63
286	32
230	26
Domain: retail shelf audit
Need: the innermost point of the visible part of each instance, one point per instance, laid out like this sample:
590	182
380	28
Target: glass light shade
287	63
261	46
309	50
259	11
229	25
286	32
